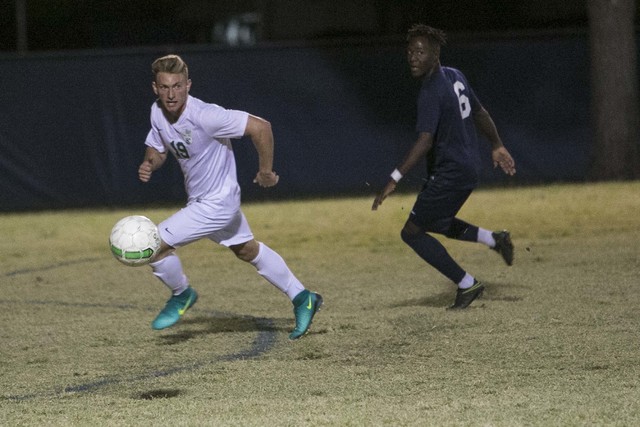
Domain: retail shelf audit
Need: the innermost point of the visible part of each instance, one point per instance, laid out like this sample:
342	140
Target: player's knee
409	233
164	251
247	251
405	236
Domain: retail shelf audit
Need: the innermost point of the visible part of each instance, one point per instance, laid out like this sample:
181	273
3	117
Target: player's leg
169	271
432	251
434	211
499	241
455	228
168	268
178	230
270	265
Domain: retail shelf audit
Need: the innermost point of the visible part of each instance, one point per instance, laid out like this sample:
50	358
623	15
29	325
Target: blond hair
171	64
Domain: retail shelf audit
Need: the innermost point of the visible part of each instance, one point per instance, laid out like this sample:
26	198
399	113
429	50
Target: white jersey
200	141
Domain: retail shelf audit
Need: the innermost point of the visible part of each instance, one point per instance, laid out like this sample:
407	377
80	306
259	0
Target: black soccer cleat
504	245
464	297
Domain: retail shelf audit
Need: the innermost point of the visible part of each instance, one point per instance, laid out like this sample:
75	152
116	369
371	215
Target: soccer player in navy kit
448	115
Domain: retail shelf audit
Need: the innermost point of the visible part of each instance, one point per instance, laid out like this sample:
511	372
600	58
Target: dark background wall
330	76
73	128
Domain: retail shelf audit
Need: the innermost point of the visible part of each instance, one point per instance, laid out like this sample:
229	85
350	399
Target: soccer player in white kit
198	135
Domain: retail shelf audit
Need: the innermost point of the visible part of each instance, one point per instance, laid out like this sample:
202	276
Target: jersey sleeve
219	122
153	140
153	137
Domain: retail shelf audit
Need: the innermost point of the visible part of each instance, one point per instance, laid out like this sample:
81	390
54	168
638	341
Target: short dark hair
434	36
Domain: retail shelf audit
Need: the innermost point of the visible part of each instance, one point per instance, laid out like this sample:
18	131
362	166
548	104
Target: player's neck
433	69
171	118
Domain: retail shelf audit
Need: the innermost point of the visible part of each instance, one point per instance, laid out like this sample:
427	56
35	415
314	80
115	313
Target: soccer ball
134	240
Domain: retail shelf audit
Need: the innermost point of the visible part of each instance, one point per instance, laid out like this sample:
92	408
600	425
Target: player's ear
155	88
188	85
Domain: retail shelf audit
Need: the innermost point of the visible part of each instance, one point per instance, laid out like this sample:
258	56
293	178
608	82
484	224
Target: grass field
554	340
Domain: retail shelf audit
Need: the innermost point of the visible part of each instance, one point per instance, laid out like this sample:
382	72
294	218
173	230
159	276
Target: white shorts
210	219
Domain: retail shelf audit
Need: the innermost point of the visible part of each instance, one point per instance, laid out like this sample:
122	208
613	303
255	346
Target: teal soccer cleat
175	308
305	306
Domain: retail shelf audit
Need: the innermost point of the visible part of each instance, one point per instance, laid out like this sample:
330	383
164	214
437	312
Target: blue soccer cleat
305	306
175	309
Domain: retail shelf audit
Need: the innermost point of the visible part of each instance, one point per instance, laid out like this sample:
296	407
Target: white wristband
396	175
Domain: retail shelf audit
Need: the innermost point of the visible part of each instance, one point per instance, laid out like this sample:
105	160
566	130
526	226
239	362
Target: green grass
554	340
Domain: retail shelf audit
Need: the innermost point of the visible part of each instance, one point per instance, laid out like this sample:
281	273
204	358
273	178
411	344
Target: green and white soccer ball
134	240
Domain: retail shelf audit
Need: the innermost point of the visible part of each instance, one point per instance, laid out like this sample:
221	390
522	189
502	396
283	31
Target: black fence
73	124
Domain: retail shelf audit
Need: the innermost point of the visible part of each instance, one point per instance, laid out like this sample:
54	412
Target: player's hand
144	171
388	189
502	158
266	179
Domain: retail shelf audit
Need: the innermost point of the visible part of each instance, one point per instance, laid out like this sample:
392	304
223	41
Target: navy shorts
437	205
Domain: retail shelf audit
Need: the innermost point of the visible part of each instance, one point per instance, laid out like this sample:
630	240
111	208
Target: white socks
466	282
486	237
169	270
272	267
269	264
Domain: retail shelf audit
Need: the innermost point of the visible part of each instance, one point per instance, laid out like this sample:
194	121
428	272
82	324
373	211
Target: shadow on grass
440	300
158	394
223	324
492	292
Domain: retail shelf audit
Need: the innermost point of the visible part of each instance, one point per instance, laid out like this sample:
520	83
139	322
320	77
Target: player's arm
419	149
501	157
259	130
152	161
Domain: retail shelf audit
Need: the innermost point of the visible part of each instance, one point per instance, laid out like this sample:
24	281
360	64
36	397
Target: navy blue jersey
446	104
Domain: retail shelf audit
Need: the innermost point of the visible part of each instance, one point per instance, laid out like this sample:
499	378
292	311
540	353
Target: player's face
421	57
172	91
